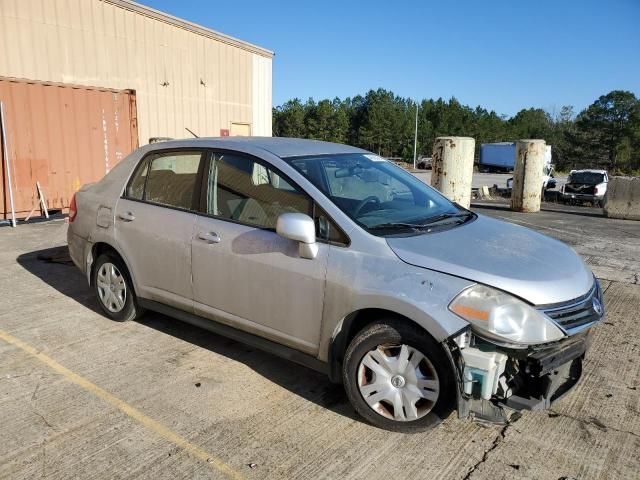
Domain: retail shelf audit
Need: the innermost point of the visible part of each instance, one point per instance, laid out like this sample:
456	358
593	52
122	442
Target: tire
118	303
391	336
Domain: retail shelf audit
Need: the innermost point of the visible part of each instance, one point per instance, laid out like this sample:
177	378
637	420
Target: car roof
280	146
589	170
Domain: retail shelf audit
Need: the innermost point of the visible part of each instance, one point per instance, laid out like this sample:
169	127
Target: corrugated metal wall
62	137
183	76
262	95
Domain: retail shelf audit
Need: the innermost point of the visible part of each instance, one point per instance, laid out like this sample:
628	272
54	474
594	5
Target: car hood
534	267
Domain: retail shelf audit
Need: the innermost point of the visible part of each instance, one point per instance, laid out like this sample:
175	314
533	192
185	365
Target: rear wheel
398	378
114	289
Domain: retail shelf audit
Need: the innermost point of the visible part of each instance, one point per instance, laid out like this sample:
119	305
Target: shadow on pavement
54	267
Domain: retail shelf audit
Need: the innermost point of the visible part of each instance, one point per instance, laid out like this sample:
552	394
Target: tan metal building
119	74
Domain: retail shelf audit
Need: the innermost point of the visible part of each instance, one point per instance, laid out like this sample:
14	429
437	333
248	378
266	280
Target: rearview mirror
369	176
299	228
347	172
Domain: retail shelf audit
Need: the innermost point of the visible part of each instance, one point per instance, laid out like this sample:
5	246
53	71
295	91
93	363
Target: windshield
590	178
376	194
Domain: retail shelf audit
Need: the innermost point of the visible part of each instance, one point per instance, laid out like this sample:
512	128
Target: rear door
246	275
154	224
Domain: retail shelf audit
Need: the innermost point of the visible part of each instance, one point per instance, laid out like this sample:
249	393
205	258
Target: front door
154	226
246	275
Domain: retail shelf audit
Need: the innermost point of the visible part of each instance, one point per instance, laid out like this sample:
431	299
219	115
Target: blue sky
502	55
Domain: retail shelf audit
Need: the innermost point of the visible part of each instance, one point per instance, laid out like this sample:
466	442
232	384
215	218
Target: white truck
585	186
548	182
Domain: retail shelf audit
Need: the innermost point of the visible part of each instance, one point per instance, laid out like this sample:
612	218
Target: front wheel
114	289
398	378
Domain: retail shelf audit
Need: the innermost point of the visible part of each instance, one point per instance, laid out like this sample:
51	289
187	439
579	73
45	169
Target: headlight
495	314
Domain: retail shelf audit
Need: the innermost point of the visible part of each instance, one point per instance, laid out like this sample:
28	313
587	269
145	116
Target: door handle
209	237
127	216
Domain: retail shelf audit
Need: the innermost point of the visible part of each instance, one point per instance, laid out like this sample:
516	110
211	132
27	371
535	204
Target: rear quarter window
135	189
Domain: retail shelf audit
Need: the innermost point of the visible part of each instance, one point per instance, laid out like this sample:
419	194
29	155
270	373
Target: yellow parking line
125	408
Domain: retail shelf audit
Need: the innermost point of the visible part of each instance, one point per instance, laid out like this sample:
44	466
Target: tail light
73	209
595	191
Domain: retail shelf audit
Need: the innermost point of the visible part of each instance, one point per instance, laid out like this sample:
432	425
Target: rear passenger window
167	179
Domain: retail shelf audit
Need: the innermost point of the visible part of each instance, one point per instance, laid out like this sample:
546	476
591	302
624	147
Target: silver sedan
339	260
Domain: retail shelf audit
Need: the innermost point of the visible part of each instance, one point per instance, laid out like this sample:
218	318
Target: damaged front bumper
582	197
497	382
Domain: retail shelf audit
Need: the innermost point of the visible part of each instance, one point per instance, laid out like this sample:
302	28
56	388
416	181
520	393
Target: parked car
337	259
585	186
425	163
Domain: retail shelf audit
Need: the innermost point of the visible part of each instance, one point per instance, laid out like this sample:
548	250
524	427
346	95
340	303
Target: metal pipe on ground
5	154
528	175
452	168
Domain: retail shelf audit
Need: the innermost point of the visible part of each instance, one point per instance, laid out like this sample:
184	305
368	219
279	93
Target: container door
63	137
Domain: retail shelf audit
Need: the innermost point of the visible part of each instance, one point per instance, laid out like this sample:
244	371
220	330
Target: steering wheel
370	199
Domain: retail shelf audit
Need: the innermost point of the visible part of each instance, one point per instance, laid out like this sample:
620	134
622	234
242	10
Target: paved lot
84	397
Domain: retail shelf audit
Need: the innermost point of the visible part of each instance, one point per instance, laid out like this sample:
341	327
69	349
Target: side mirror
300	228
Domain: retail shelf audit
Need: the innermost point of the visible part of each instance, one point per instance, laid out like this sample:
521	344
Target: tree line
606	134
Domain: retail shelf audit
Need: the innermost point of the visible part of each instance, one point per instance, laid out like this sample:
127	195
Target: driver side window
249	192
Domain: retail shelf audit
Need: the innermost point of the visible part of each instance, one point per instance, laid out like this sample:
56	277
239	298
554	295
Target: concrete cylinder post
452	168
528	176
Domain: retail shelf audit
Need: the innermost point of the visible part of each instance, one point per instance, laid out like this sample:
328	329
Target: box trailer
497	157
501	157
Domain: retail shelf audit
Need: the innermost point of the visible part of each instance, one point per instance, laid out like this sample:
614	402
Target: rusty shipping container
62	136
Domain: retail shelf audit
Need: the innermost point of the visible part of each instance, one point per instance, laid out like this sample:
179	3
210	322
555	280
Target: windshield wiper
420	226
392	226
446	216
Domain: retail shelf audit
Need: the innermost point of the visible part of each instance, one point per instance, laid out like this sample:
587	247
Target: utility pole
415	140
